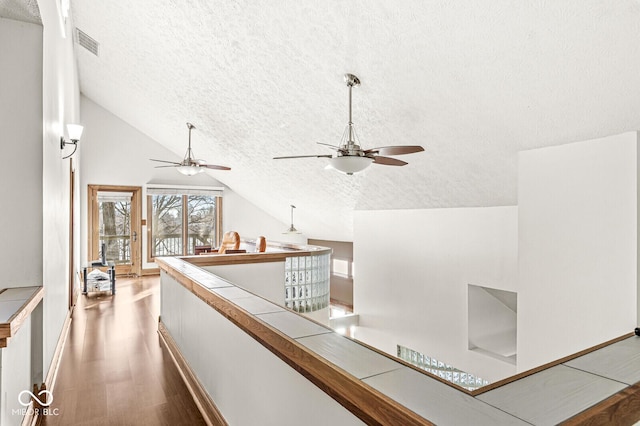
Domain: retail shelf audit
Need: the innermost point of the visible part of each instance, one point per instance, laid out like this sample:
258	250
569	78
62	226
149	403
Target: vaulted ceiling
474	82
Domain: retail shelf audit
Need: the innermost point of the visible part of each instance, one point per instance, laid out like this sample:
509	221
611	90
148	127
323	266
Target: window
180	221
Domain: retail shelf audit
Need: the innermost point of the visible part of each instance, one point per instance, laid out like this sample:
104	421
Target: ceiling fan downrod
351	81
189	158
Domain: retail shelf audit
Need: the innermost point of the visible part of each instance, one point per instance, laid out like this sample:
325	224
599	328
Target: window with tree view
179	222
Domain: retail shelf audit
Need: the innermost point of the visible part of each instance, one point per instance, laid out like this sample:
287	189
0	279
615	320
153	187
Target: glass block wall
306	282
440	369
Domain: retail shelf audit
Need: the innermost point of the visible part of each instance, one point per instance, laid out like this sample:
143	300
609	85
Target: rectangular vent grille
87	42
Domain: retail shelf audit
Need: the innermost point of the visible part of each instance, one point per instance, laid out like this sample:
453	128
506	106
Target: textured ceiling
474	82
21	10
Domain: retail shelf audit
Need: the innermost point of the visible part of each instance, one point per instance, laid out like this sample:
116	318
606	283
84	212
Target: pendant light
292	229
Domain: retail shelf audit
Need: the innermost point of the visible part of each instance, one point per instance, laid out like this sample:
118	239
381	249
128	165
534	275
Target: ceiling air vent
87	42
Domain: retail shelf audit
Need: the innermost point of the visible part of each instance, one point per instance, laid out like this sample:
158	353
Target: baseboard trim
151	271
52	374
212	416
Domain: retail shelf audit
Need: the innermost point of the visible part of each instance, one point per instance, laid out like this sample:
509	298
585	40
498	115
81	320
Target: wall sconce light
75	132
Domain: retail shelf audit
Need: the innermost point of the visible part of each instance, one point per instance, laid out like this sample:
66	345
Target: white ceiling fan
190	165
350	157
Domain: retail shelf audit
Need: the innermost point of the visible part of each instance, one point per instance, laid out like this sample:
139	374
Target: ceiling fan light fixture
350	164
190	165
190	170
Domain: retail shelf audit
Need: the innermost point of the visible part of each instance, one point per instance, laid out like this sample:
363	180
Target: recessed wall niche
492	316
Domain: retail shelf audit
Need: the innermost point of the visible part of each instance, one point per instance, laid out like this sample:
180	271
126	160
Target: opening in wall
341	274
492	317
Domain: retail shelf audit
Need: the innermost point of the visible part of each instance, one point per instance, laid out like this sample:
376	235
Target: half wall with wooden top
250	360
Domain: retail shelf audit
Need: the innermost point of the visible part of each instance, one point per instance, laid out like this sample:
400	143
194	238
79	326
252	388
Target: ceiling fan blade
214	167
388	161
303	156
395	150
164	161
159	167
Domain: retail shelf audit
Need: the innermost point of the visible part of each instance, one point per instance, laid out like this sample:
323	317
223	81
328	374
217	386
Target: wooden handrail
13	323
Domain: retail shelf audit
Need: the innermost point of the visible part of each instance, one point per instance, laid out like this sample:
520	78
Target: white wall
114	153
39	94
412	268
578	247
21	171
240	214
16	374
249	384
61	100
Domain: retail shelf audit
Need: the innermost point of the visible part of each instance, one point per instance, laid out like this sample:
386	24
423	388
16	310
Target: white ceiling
472	81
21	10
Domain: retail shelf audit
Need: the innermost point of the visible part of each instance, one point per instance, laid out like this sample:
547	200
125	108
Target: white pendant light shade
350	164
190	170
74	131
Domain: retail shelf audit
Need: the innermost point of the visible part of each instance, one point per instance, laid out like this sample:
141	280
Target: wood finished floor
114	369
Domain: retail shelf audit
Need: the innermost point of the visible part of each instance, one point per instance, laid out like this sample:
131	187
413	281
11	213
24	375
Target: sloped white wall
577	247
412	268
114	153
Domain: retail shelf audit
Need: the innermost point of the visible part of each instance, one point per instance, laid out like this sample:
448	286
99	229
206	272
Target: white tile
8	308
619	361
293	325
352	357
18	293
211	281
231	293
437	402
256	305
551	396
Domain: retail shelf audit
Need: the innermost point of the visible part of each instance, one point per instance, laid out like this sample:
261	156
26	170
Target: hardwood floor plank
114	370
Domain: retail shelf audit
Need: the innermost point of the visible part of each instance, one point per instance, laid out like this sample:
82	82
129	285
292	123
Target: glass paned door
114	228
114	223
